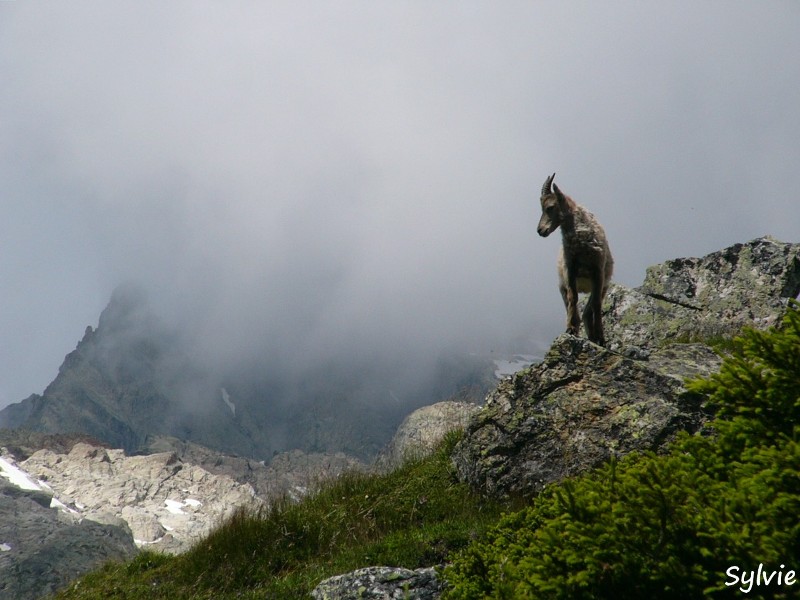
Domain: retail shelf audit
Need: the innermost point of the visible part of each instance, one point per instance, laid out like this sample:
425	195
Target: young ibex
585	263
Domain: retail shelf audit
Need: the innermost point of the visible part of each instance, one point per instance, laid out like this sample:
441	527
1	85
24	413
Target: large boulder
580	406
422	430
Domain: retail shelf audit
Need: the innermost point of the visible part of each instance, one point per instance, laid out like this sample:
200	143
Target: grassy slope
412	517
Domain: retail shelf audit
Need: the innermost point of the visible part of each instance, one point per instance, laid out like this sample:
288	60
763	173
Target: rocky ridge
134	376
166	503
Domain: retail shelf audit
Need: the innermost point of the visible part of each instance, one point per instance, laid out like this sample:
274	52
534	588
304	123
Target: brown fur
585	263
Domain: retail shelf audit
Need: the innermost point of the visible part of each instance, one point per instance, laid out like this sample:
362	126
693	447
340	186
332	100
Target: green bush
668	526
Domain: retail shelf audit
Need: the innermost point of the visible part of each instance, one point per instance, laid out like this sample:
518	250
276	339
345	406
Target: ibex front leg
570	295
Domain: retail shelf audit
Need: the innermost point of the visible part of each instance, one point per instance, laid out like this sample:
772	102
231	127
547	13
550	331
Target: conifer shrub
669	526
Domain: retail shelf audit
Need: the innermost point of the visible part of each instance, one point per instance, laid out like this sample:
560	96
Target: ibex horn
546	188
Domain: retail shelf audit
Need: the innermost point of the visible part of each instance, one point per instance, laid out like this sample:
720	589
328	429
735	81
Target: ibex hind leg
593	322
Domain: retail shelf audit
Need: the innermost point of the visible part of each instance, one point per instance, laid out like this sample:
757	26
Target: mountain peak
129	307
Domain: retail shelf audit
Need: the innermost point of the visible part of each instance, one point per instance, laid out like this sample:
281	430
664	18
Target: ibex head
554	208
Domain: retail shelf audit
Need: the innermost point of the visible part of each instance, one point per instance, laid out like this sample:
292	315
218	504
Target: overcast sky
320	177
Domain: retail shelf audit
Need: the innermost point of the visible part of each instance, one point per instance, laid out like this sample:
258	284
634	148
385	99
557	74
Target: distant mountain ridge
131	378
116	386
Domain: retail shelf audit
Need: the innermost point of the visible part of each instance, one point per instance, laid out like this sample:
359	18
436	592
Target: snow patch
175	507
17	476
22	480
226	398
192	502
140	543
506	367
56	503
4	547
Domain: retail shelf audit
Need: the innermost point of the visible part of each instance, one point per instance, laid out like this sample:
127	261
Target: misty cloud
300	182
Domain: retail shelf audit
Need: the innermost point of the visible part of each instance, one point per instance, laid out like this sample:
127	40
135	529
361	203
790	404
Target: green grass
412	517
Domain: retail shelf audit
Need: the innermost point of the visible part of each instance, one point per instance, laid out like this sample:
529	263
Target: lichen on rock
704	298
580	406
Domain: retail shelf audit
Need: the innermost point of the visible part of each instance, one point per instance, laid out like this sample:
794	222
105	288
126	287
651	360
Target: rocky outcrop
704	298
168	504
584	404
42	547
381	583
577	408
422	430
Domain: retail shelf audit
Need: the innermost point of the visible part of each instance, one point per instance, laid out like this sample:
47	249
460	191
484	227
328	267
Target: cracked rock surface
168	504
700	298
577	408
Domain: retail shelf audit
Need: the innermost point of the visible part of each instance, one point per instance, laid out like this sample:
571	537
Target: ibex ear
562	200
547	187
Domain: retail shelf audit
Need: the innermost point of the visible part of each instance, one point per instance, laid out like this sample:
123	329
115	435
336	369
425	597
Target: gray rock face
43	548
422	430
166	503
584	404
381	583
700	298
579	407
290	474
